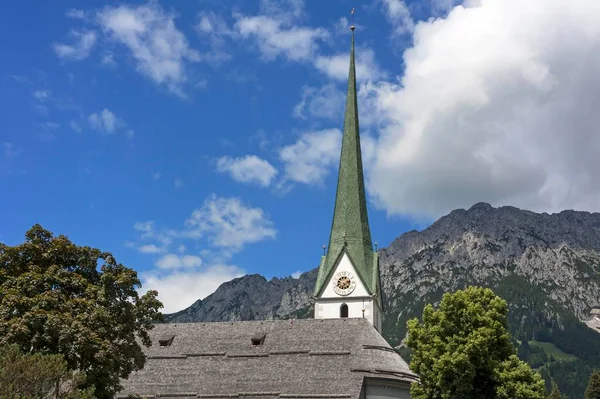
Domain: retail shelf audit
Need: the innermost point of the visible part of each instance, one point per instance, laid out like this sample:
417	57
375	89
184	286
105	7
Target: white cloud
213	29
148	231
274	38
277	31
226	224
324	102
230	223
341	26
84	42
248	169
312	156
178	183
174	261
108	59
75	126
297	274
159	48
336	66
181	289
289	11
104	121
497	104
398	14
42	95
443	7
150	249
76	14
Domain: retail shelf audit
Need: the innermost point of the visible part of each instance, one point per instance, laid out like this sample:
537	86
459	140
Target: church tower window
344	310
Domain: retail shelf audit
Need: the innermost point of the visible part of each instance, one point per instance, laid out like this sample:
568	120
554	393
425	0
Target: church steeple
350	231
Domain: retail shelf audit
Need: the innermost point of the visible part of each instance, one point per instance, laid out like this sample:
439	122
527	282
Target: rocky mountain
546	266
252	297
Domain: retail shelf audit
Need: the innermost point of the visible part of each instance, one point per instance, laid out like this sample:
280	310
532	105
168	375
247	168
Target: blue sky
199	140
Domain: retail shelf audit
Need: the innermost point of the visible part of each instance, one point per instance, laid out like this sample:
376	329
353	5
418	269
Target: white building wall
343	265
386	391
328	305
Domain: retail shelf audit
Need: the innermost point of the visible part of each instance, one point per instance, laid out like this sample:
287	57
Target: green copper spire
350	228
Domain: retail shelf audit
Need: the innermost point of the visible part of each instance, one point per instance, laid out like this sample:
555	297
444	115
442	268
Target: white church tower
348	283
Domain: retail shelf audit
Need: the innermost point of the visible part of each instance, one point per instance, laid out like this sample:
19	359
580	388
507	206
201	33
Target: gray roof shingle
297	359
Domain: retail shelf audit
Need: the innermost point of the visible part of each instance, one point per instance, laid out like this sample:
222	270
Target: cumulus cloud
274	38
221	225
180	289
248	169
336	66
150	249
174	261
230	223
104	121
398	14
42	95
277	31
497	104
80	49
160	50
325	102
75	126
215	31
311	157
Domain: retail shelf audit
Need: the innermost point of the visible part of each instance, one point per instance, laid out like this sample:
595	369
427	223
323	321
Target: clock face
344	283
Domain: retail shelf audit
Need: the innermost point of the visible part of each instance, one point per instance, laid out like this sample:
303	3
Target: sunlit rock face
557	256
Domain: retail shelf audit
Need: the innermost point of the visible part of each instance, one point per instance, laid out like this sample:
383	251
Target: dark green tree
34	376
78	302
593	389
555	393
463	350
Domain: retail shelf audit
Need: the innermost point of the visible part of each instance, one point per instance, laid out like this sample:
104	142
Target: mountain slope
546	266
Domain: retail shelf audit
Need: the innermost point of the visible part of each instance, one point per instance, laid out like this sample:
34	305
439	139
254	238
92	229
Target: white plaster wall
382	391
344	265
328	305
331	309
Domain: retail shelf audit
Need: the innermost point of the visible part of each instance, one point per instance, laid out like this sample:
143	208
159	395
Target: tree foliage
593	389
34	376
463	350
555	393
78	302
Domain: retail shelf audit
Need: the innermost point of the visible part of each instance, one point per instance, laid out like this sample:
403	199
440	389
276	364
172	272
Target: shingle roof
297	358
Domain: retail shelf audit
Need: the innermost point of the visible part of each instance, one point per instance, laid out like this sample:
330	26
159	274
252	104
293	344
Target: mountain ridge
547	267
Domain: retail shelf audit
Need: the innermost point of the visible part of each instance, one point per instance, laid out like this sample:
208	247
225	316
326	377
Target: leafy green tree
60	298
593	389
34	376
463	350
555	393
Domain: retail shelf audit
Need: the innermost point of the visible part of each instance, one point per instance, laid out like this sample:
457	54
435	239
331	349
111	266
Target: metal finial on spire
352	27
375	246
324	249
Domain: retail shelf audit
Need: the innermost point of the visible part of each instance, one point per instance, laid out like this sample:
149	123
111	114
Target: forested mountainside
546	266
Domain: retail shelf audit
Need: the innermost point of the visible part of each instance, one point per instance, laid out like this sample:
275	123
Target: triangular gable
327	279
